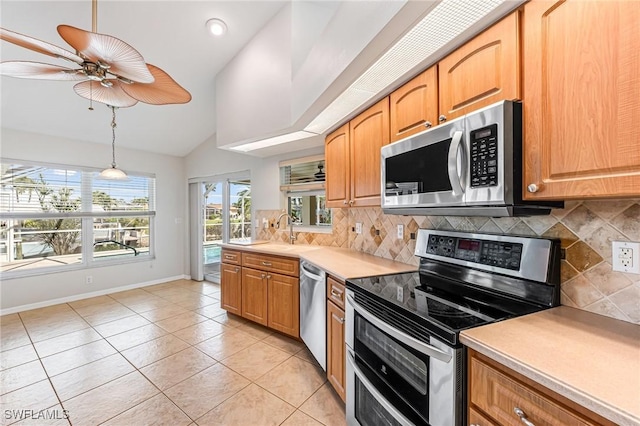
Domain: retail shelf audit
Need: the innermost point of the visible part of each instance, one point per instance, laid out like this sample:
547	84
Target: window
61	217
302	182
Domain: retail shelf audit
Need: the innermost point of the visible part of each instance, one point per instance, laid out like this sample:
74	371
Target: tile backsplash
585	228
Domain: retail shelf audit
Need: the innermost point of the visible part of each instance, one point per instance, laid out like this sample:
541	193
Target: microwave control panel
484	156
492	253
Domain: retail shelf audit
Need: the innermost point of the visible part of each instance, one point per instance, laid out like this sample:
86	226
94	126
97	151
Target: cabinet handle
237	269
266	263
263	276
344	202
228	256
427	124
350	203
522	416
532	187
341	320
268	276
442	118
336	294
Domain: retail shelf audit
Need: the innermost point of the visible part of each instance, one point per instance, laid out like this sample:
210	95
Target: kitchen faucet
292	239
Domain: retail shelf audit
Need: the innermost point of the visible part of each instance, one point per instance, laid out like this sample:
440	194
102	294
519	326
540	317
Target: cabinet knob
350	203
341	320
237	269
427	124
268	276
344	202
532	187
263	276
442	118
523	416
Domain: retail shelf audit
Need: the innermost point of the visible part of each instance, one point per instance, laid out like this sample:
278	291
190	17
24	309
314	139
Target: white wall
170	237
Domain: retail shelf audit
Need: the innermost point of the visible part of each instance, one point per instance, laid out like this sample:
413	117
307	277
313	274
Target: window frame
86	216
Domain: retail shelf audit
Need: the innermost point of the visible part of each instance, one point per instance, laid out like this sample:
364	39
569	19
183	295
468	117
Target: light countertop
339	262
591	359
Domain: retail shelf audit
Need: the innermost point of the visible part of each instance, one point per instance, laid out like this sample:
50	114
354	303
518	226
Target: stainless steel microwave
470	166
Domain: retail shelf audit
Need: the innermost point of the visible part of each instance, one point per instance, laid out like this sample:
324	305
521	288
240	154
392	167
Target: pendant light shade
113	172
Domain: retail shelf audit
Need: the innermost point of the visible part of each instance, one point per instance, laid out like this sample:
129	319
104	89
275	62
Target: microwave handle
453	163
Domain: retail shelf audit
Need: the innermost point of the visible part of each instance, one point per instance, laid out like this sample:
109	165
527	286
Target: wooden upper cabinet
483	71
368	132
582	99
336	155
414	106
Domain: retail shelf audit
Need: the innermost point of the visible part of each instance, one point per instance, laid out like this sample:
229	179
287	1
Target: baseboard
75	297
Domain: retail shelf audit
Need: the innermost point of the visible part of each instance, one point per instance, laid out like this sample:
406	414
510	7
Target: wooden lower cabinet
254	295
336	349
283	293
501	397
231	288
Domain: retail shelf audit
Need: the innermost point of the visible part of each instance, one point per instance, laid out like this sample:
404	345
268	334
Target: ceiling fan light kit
113	172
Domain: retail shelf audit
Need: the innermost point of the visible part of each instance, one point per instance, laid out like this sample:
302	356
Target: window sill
312	229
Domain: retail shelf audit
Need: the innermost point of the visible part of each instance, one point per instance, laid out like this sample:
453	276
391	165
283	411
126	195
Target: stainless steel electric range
405	363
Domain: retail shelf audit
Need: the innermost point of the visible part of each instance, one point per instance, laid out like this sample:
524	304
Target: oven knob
532	187
442	118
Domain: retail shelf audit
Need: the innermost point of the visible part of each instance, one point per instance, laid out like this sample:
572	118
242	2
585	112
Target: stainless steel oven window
408	366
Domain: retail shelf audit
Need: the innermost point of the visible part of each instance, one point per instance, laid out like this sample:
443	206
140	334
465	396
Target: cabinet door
368	132
254	295
336	157
284	304
477	419
231	288
336	349
582	99
483	71
414	106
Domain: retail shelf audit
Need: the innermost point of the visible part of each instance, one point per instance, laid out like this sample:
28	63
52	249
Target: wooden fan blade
122	59
38	45
113	95
39	71
164	90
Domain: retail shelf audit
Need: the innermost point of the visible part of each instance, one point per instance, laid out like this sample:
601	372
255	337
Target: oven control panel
502	254
484	156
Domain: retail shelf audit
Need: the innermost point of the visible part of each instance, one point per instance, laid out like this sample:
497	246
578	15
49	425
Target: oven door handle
452	167
375	393
399	335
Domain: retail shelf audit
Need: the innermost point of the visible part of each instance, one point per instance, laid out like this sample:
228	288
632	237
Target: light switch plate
626	257
400	231
358	227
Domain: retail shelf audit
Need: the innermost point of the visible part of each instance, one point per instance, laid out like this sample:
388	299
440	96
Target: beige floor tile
66	342
212	311
173	369
199	332
226	344
79	305
112	313
135	337
251	406
229	320
202	392
52	416
13	335
73	358
255	360
306	355
82	379
255	330
284	343
300	419
293	381
326	407
17	356
120	326
134	295
48	312
154	350
181	321
164	312
37	396
157	411
198	303
9	319
23	375
171	294
49	329
149	304
109	400
209	288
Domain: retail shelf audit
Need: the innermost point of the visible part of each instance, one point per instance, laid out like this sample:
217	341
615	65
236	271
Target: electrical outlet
358	227
88	279
265	223
626	257
400	294
400	231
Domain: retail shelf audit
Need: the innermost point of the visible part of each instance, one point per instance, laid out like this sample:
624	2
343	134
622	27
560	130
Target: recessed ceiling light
216	26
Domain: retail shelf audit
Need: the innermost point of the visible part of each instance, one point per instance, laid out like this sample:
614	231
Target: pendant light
113	173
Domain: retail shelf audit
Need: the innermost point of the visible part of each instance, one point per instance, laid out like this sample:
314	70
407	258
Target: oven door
394	378
426	169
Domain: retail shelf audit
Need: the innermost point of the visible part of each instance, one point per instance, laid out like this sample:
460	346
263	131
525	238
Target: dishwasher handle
310	274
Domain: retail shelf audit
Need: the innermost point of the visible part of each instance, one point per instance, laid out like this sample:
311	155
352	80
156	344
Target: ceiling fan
110	71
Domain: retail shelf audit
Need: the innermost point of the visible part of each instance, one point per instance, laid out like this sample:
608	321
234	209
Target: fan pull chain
113	138
94	16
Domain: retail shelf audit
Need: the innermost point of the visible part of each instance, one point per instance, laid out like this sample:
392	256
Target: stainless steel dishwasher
313	310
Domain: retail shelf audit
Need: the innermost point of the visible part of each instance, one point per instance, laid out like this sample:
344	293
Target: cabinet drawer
277	264
477	419
499	395
335	291
231	256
